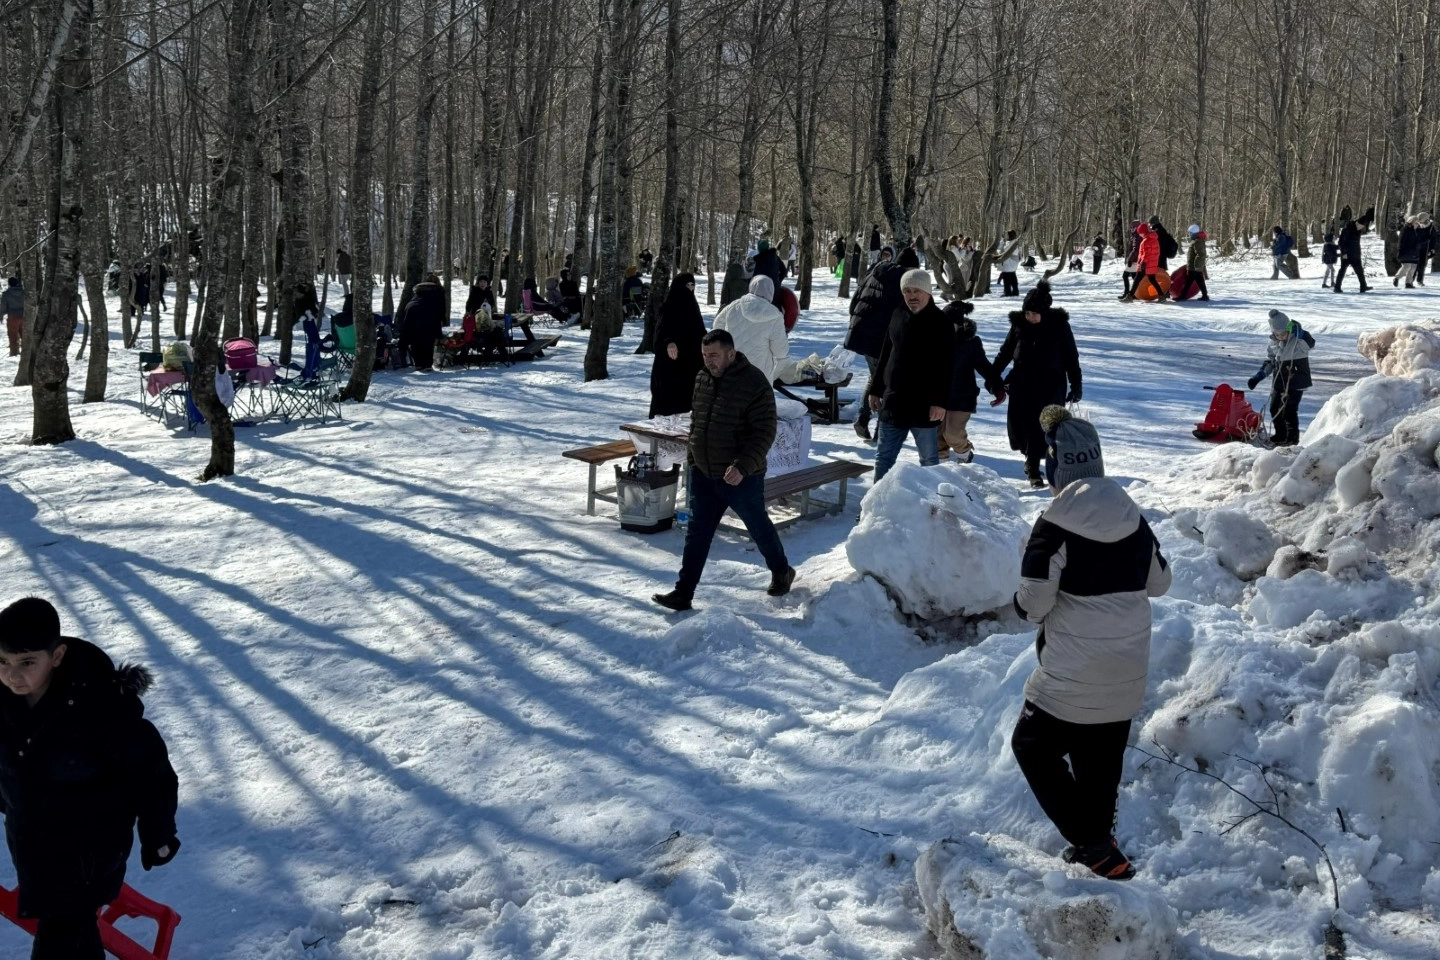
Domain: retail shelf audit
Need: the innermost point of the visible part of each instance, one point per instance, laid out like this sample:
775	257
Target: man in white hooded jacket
1090	567
758	327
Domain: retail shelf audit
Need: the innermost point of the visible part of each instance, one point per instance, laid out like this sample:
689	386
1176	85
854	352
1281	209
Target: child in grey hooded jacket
1090	567
1287	363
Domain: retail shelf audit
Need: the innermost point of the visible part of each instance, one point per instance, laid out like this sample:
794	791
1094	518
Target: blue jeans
708	502
891	438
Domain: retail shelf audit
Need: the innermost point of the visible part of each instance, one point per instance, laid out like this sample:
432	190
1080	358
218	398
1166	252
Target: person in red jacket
1148	263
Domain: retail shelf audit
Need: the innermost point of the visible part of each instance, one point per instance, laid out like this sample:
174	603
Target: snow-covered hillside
422	706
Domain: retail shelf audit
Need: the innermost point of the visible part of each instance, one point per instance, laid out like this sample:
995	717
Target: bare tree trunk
668	247
417	231
55	325
23	131
223	247
297	276
362	205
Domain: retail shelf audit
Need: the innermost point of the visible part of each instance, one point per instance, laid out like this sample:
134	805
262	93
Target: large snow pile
1404	350
945	541
974	889
1296	659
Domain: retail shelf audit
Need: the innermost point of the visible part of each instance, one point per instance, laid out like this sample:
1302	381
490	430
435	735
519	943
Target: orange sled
1230	418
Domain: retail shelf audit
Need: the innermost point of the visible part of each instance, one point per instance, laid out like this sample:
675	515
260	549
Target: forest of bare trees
435	134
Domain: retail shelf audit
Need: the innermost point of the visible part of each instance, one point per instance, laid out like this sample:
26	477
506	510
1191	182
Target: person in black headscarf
677	349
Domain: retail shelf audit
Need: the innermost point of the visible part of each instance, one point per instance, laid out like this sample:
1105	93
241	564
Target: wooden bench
807	479
826	410
596	456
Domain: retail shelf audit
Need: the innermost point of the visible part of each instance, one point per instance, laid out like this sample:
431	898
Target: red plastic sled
1230	418
1181	286
130	903
790	307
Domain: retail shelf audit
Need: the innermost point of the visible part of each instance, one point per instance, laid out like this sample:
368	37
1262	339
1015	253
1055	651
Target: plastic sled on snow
1145	290
1181	286
1230	417
130	903
790	307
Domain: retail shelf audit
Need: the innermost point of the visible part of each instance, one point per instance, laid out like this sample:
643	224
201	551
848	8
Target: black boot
780	582
677	599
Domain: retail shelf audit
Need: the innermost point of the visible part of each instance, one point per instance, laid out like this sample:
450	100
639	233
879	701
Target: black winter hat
1038	300
1155	220
908	259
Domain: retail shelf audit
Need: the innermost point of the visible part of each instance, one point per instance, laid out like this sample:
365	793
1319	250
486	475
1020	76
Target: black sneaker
780	582
677	600
1104	860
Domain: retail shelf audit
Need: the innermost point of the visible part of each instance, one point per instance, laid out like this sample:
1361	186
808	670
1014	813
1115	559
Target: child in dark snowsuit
1287	362
1330	256
970	359
80	766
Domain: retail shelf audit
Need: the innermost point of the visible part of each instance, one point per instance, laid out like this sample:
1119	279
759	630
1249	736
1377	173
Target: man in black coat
768	263
875	243
874	303
80	766
912	379
1097	252
1350	231
732	425
425	316
1042	348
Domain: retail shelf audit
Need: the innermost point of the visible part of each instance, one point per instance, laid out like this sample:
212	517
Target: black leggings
1011	284
68	938
1079	798
1285	415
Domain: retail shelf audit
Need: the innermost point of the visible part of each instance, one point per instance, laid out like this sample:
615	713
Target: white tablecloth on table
789	452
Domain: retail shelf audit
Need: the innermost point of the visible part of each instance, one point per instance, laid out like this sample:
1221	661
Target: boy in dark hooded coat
80	767
969	359
1042	348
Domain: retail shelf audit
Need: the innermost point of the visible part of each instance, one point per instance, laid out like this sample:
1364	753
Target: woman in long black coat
1041	348
677	349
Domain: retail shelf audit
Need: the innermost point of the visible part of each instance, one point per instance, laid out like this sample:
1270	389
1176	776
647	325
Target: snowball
1368	409
941	556
1268	465
1353	480
1243	545
994	897
1312	474
1346	555
1405	349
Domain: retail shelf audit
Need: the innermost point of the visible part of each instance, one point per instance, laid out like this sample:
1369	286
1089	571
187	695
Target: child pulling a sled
1287	363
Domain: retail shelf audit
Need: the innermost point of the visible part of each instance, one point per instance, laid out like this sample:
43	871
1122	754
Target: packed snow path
422	706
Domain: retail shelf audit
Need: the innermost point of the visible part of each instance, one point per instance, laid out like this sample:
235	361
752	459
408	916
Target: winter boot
780	582
862	427
676	599
1103	859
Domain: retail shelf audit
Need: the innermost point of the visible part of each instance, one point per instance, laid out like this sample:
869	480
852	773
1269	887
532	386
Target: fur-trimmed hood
1050	318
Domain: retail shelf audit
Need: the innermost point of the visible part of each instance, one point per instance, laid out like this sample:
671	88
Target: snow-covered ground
422	706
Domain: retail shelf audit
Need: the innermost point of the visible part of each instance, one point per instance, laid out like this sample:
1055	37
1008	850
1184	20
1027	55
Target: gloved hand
1253	382
161	855
999	398
1074	395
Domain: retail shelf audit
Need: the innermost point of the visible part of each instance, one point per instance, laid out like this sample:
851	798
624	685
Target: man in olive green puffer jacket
732	424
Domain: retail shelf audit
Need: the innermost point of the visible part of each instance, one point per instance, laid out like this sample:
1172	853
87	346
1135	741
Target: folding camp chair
149	404
344	343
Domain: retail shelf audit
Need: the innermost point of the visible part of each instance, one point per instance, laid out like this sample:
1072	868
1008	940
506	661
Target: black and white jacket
1089	569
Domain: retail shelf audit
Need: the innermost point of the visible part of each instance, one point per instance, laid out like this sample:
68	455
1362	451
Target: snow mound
975	888
1369	408
1403	350
941	552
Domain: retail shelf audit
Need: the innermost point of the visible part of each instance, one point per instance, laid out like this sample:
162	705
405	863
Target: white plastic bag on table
838	365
